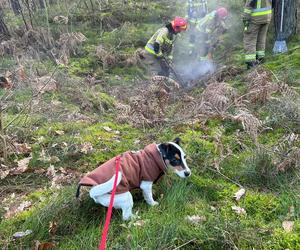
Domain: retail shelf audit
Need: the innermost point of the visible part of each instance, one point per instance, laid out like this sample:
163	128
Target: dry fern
250	123
216	98
288	91
291	160
260	86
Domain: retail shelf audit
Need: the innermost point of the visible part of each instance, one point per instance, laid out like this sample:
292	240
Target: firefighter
196	10
256	18
210	28
160	46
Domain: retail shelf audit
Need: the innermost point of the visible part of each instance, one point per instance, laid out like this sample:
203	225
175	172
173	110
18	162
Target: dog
137	170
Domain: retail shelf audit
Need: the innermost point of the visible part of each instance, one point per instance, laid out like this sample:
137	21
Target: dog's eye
177	156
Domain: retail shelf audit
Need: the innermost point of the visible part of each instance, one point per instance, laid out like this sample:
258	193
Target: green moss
283	240
107	100
271	137
262	206
81	66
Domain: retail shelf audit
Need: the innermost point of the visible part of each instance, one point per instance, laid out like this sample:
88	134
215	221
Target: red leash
111	203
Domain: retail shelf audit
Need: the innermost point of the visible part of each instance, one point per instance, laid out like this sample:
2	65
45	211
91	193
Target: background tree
16	6
289	19
4	33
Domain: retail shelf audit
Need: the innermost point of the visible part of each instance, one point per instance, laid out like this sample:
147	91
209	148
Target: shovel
177	75
280	44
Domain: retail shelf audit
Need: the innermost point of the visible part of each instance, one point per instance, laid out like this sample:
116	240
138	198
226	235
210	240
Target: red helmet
222	12
179	24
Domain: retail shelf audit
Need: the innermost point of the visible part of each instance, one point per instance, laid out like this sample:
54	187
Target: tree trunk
4	33
30	7
16	7
3	138
289	26
42	4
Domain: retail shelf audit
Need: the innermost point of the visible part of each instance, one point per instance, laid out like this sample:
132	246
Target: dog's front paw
153	203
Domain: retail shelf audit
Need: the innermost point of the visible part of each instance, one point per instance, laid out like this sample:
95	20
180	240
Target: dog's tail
104	188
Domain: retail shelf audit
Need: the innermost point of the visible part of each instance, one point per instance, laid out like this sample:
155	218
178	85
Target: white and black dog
137	170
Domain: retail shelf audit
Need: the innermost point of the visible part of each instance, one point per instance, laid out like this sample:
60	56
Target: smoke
195	69
191	49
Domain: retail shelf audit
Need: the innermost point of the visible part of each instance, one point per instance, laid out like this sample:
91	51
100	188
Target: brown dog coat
143	165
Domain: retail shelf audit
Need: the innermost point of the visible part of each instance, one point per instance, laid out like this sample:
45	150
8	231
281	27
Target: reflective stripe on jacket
206	23
258	11
165	40
210	28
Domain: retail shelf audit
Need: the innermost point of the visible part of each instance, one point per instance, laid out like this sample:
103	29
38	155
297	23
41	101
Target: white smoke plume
186	54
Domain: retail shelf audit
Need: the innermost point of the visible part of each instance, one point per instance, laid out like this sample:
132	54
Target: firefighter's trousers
255	41
155	65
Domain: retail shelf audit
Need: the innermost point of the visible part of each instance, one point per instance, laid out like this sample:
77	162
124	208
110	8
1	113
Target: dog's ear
177	140
164	149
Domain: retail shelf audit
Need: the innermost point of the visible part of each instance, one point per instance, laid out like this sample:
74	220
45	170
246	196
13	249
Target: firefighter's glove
156	47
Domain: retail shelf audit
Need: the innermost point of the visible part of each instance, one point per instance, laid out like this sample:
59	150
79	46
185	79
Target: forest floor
239	128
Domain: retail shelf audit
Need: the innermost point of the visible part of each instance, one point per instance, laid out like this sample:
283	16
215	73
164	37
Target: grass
268	201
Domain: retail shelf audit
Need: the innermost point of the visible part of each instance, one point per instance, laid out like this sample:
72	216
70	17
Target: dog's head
174	158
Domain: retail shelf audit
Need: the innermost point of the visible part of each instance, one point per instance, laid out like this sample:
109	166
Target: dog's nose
187	173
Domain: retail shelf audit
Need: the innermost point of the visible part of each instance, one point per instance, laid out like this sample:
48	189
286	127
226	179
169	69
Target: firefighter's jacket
210	27
143	165
258	11
165	39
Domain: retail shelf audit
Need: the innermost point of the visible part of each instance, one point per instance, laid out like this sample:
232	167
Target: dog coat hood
143	165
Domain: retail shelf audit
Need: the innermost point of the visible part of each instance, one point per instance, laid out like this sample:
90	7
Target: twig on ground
184	244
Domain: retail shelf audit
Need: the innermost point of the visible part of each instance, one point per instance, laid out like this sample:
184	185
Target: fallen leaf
59	132
45	84
21	234
44	246
22	166
86	148
22	148
139	223
51	171
52	228
54	159
239	210
41	139
288	226
40	171
3	174
137	141
17	209
61	169
107	129
195	219
24	162
56	103
213	208
239	194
